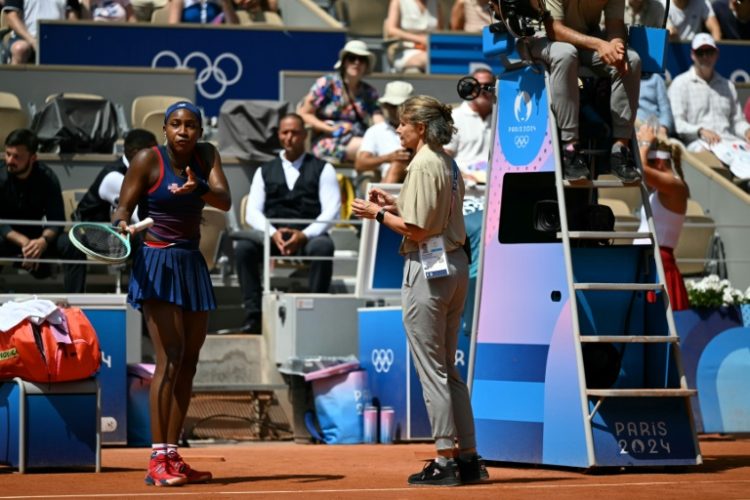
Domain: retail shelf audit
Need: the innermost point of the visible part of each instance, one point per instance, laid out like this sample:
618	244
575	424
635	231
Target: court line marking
493	486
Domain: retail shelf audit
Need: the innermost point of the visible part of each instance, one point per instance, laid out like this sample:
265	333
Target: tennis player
170	282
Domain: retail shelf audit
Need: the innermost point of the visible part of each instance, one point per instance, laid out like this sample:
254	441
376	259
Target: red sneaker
160	472
178	466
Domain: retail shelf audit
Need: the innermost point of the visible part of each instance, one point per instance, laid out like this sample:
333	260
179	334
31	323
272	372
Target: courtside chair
625	220
12	116
631	197
694	208
213	224
695	243
363	18
71	197
73	95
160	15
145	104
154	123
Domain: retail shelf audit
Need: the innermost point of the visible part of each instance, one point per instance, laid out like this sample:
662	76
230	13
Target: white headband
656	154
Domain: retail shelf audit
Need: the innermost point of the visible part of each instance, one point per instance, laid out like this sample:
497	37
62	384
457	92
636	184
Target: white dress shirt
328	189
712	105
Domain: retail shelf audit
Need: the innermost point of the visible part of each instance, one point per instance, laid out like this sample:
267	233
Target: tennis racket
103	241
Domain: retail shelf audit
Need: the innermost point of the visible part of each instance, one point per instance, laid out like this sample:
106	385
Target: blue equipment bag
339	406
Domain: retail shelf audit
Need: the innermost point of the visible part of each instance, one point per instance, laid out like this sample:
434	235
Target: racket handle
141	225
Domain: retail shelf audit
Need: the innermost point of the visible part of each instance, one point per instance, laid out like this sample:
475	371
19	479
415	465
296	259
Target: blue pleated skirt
177	274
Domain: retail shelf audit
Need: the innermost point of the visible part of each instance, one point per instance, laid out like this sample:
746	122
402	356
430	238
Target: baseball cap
702	40
396	93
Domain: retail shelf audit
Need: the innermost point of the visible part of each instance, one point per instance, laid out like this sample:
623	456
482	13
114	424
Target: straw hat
358	48
396	93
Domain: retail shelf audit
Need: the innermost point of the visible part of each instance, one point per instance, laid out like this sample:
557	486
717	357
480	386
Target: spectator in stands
470	145
202	11
687	18
574	38
381	148
30	190
644	13
662	170
704	103
470	15
103	195
108	10
409	21
341	106
296	185
23	15
145	8
734	18
654	101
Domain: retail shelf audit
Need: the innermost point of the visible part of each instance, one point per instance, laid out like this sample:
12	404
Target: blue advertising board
229	62
384	353
110	329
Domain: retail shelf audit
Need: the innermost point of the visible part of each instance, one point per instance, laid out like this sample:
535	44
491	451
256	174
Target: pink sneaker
179	467
160	472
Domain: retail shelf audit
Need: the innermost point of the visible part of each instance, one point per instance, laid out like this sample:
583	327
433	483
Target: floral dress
333	106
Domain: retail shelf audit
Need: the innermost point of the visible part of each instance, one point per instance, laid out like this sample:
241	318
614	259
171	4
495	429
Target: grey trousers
432	316
563	60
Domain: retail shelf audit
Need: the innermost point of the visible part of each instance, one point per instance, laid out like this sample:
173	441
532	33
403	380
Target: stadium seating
147	112
12	116
213	224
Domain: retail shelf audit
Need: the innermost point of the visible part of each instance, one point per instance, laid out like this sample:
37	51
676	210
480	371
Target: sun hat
358	48
396	93
703	40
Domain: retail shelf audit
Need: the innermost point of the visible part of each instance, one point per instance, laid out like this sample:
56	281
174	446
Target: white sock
159	448
171	448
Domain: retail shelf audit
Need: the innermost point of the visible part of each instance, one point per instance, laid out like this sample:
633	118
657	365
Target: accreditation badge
434	257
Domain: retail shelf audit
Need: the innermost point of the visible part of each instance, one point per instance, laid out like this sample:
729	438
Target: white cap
702	40
396	93
359	48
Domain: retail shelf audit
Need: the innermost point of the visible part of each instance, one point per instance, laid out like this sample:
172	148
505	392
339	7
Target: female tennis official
170	281
428	213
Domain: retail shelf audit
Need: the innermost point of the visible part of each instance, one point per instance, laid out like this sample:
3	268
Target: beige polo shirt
584	15
425	199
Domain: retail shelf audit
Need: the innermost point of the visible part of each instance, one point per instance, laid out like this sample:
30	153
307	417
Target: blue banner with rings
229	62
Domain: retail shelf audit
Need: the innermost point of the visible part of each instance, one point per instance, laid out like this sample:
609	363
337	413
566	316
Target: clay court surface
288	470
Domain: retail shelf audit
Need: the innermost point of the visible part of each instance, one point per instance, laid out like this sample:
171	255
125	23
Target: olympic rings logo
521	141
205	70
382	359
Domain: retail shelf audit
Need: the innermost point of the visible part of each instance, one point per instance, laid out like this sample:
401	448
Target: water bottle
653	123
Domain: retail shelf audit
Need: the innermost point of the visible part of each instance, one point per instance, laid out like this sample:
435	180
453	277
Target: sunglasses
351	58
704	52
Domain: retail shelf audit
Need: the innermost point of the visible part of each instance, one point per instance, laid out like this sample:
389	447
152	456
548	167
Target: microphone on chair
469	88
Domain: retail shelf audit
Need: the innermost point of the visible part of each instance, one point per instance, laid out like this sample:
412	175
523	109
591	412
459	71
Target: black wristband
201	188
380	215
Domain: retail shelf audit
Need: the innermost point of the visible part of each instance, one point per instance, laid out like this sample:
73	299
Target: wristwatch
380	215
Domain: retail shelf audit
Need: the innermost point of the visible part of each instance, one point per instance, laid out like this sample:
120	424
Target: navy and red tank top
177	217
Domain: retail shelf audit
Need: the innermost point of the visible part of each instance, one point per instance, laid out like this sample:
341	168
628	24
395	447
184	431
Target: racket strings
101	241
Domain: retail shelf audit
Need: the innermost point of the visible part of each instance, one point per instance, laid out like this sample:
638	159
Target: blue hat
184	105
